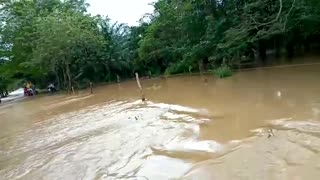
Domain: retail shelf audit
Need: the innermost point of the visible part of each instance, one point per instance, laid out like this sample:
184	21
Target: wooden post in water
118	78
91	88
140	87
72	88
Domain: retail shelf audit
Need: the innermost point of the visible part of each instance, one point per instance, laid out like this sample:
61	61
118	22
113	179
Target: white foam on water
258	130
171	115
193	145
305	126
114	137
280	121
174	107
235	142
162	167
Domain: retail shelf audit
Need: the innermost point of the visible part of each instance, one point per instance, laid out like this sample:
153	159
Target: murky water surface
195	127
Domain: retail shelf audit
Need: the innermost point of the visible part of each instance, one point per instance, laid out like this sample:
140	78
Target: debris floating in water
270	133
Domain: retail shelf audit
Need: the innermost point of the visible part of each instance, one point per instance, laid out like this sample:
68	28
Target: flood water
191	127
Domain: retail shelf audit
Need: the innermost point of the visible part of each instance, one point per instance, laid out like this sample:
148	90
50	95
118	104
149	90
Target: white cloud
123	11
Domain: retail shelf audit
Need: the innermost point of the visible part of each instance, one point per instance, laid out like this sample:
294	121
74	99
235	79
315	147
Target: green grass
223	71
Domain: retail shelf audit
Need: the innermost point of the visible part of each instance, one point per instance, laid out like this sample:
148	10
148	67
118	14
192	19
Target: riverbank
309	60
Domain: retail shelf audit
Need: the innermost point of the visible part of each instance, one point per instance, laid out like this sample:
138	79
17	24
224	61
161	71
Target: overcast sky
123	11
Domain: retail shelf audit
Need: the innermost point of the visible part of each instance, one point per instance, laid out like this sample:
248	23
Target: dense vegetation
58	41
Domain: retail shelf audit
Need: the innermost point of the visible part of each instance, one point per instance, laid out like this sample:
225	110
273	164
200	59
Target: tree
208	33
69	45
58	41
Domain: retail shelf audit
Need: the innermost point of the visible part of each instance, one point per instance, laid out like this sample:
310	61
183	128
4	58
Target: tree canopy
59	41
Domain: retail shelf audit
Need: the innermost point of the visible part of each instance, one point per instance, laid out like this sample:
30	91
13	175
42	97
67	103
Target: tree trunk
262	51
201	66
290	49
277	46
306	45
56	72
64	78
68	76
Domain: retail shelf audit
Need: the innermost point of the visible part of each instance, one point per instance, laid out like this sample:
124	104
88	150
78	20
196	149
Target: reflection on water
189	129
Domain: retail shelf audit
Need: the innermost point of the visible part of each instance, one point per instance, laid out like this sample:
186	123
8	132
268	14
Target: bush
223	71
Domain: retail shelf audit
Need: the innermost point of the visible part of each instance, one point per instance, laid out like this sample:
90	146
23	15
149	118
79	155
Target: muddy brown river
190	128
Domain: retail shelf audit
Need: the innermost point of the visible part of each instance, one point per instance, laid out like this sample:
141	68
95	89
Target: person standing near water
33	87
29	89
52	88
28	85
